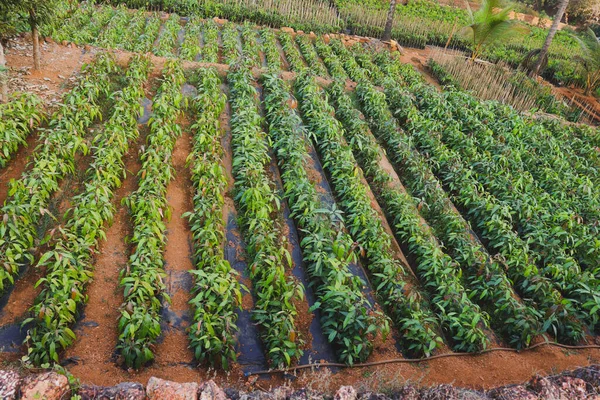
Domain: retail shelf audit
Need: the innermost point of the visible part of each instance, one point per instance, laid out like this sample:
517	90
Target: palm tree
387	33
488	25
553	29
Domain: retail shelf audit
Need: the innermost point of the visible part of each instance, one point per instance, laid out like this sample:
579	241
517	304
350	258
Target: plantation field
221	199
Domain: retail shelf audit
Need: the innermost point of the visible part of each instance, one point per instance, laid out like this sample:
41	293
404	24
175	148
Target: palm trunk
3	76
36	40
387	33
553	29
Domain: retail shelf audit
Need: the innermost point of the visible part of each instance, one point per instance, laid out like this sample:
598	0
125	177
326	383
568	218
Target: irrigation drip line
419	360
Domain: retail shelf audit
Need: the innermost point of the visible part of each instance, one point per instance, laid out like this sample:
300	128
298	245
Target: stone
373	396
282	393
326	38
158	389
408	392
287	29
46	386
64	43
545	388
591	375
573	388
516	392
211	391
10	381
345	393
450	392
123	391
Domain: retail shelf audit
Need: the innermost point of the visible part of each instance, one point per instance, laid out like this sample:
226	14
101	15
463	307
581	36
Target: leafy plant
143	279
69	262
53	159
216	292
18	118
347	319
406	306
258	205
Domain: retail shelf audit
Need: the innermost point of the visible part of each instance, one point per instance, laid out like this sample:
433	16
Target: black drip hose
419	360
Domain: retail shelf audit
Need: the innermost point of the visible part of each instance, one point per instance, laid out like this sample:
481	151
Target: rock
211	391
9	384
443	392
326	38
158	389
591	375
64	43
345	393
123	391
374	396
408	393
305	394
288	30
282	393
573	388
48	40
545	388
516	392
47	386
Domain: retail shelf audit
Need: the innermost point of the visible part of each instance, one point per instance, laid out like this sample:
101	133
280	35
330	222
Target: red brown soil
17	165
23	295
58	63
96	343
178	254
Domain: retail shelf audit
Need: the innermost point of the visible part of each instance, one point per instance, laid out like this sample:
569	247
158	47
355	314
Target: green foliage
310	55
53	159
190	48
18	118
346	316
69	261
292	54
489	26
167	42
492	219
216	291
210	48
258	205
274	62
143	280
388	276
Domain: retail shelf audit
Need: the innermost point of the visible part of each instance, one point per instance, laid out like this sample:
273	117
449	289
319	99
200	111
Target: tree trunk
553	29
3	76
387	33
36	40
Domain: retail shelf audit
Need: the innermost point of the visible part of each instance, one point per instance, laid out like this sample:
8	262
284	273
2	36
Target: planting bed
280	199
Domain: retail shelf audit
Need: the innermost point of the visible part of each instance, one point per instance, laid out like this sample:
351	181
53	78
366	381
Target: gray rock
123	391
516	392
345	393
211	391
159	389
10	381
46	386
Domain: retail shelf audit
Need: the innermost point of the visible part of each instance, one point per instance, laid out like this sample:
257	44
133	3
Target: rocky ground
582	383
